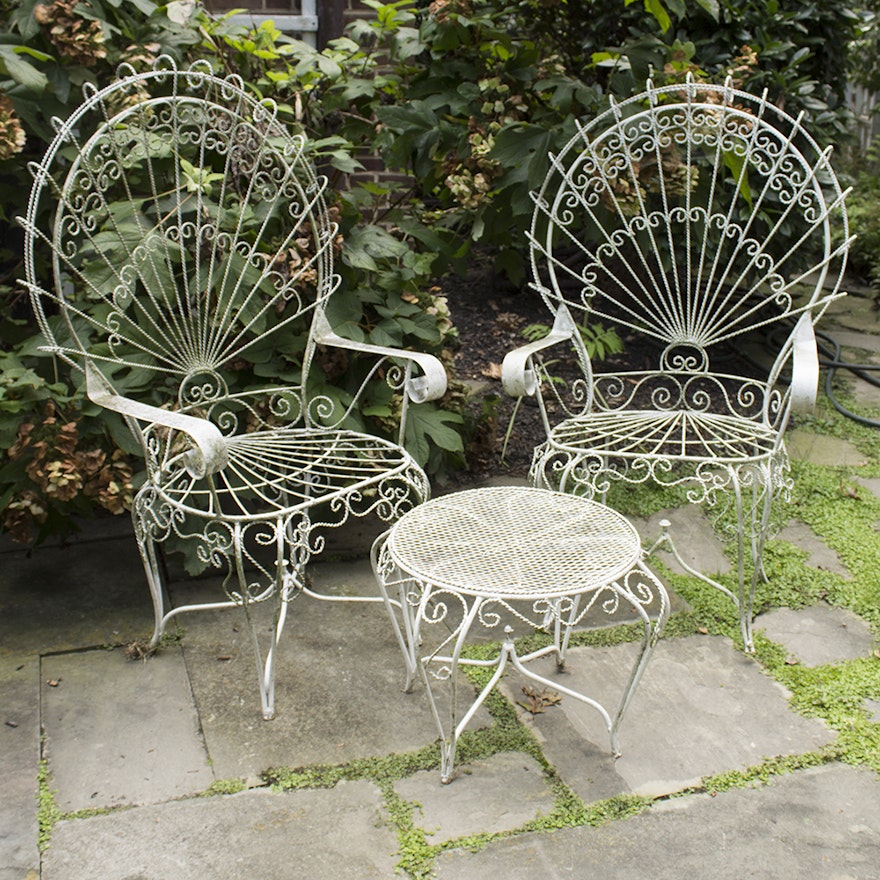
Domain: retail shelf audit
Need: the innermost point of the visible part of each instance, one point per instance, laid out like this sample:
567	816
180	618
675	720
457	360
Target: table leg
388	575
652	632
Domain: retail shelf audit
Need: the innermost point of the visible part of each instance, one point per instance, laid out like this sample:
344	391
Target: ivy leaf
735	163
364	245
658	11
198	179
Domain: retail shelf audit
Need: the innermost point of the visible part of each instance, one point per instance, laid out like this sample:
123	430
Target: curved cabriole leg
250	594
155	581
143	518
400	609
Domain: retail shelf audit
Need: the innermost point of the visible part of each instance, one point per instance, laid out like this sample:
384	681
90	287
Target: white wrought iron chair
690	217
193	259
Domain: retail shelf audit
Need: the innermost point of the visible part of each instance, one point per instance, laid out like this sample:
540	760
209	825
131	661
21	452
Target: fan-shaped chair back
191	245
690	214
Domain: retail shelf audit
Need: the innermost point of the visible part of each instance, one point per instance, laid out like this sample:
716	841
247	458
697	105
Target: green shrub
463	99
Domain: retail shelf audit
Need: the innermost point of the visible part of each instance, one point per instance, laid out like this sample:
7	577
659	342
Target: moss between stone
48	812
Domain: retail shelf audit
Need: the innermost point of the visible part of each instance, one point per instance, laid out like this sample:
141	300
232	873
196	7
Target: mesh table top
514	542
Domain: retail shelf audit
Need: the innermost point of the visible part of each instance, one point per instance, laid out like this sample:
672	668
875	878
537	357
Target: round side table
510	553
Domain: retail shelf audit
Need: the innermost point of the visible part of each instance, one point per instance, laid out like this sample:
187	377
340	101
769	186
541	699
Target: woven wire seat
192	251
562	547
700	223
275	473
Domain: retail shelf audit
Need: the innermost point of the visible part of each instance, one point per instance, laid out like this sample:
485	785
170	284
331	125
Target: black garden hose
830	359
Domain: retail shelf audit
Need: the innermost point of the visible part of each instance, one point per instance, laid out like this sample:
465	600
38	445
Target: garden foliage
462	100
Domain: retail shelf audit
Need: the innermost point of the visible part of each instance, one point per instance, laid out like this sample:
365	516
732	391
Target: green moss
48	812
762	773
225	786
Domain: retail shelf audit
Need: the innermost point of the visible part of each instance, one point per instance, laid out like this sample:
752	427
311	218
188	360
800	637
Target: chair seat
273	473
671	435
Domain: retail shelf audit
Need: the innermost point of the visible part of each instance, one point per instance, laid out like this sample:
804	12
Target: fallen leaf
703	631
510	320
493	371
139	650
12	724
530	707
53	682
537	701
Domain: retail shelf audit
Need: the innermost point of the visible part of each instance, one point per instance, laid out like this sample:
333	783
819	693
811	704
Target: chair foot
742	604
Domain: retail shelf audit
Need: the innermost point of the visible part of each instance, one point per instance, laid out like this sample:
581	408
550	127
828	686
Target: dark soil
490	314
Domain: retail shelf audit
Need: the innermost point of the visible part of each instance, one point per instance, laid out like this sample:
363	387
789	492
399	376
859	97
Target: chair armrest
209	455
429	386
517	377
804	365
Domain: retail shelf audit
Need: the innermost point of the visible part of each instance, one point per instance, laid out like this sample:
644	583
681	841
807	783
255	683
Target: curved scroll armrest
209	455
517	377
429	386
804	365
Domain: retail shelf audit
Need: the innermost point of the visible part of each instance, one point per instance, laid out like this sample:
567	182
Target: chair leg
250	595
745	598
752	527
153	571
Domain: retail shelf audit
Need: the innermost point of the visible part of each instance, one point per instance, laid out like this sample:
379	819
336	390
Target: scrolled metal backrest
191	245
691	214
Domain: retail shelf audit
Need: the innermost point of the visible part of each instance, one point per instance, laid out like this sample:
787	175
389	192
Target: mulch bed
489	315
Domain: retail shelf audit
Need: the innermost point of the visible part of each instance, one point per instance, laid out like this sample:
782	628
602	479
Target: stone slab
498	794
120	731
820	555
702	707
19	759
320	835
821	449
822	824
855	339
818	635
339	681
870	483
81	595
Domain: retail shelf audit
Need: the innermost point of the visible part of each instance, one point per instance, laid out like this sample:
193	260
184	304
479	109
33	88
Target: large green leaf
21	71
425	425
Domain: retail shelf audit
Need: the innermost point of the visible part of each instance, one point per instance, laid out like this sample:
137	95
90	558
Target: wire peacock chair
192	254
695	219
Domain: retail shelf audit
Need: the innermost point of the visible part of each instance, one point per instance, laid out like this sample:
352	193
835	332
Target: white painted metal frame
191	241
688	217
502	555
